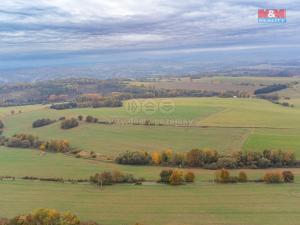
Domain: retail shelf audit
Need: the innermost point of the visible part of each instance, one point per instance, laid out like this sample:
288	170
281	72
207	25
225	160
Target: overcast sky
58	32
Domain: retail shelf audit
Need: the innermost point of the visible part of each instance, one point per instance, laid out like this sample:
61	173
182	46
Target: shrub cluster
271	177
176	177
61	106
223	176
91	119
275	177
42	122
46	216
210	159
115	177
69	123
134	158
30	141
53	179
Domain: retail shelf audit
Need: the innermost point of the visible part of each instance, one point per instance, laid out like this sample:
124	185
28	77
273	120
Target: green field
205	203
20	163
222	124
201	203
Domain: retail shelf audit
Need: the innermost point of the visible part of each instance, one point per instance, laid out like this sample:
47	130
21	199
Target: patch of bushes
189	177
134	158
223	176
115	177
1	124
91	119
176	177
42	122
61	106
243	178
46	217
288	176
276	177
273	177
69	123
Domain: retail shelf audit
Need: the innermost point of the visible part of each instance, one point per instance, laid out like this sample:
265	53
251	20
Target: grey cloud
52	26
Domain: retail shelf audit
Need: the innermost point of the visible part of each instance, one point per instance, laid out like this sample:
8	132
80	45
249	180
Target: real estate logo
271	15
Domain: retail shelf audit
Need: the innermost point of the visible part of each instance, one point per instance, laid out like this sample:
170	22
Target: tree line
210	159
99	103
270	89
1	126
270	177
31	141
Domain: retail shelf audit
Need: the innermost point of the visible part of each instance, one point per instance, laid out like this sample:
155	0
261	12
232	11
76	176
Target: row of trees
31	141
270	177
105	102
42	122
270	89
210	159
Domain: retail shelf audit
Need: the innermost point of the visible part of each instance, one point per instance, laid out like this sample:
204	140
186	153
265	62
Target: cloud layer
148	27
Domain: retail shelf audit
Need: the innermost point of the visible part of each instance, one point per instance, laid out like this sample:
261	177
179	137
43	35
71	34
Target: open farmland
225	124
21	163
247	204
219	83
150	203
219	123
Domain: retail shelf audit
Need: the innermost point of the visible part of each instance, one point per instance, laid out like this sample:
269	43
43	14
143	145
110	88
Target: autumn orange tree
156	158
176	177
189	177
46	217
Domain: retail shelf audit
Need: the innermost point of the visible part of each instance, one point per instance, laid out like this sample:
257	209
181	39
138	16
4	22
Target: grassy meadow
196	204
200	203
222	124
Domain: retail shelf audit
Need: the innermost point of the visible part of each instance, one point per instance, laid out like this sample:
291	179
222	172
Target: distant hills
143	69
